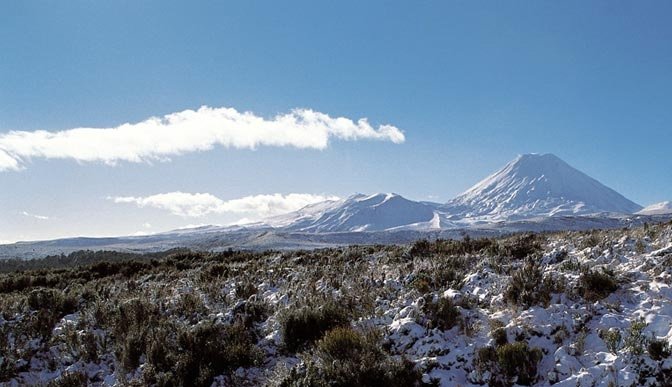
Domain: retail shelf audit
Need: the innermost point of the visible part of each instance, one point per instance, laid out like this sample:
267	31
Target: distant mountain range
532	192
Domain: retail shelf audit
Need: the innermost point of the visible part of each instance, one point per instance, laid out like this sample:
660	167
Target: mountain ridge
529	186
531	193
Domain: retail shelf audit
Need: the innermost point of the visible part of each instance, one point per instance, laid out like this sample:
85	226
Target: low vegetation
523	309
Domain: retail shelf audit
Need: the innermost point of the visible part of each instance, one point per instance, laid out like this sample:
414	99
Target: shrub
245	289
129	350
613	340
442	314
499	336
591	240
517	359
53	300
421	248
528	286
70	379
658	349
421	283
345	357
131	324
514	362
595	285
518	247
251	312
635	341
191	307
303	326
51	305
209	350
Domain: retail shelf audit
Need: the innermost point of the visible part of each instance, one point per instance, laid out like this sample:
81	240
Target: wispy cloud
201	204
34	216
159	138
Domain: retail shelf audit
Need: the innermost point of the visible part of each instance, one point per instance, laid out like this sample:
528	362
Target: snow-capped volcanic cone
661	208
535	185
359	213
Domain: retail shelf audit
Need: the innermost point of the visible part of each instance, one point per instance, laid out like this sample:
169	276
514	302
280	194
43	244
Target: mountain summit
534	185
359	212
661	208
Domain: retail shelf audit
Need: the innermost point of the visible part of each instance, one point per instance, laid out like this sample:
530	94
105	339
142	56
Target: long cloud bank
201	204
159	138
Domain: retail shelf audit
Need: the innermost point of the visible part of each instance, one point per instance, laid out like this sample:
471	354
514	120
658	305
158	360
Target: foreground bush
596	285
345	357
210	350
442	314
303	326
528	286
509	364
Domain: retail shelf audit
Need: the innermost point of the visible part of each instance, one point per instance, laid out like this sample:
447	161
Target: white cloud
158	138
39	217
201	204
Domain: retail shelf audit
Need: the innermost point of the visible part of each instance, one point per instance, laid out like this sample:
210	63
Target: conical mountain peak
538	185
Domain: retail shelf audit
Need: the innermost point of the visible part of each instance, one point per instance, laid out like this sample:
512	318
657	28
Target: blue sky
470	84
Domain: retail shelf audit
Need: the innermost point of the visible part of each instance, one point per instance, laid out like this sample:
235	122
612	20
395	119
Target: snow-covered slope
360	212
661	208
537	185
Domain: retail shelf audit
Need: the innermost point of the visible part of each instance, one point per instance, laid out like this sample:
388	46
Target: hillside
568	309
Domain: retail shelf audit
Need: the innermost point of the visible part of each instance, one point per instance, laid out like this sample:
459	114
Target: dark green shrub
528	286
345	357
89	347
132	346
421	248
509	364
612	339
191	307
591	240
303	326
70	379
485	360
499	336
658	349
518	247
517	359
442	314
53	300
451	247
596	285
209	350
251	312
635	342
245	289
422	283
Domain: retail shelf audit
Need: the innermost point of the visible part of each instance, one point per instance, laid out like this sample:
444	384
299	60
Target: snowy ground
585	340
